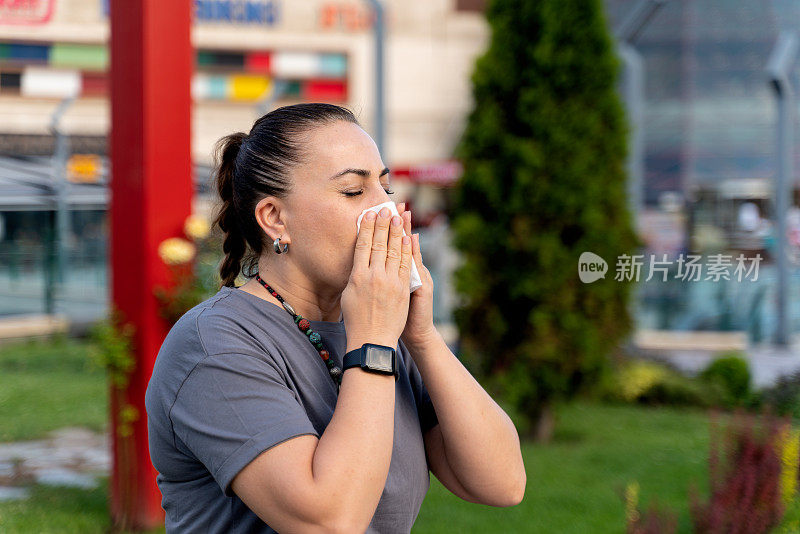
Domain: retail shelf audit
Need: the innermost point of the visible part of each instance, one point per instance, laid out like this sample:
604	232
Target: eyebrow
364	173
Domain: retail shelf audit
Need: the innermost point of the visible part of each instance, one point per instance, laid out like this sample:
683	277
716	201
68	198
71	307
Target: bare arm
474	451
332	483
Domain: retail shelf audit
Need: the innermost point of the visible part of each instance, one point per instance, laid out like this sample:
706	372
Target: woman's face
319	216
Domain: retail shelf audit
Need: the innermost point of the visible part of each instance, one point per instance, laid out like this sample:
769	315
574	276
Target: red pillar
151	193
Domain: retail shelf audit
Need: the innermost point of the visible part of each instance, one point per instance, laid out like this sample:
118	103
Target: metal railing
29	280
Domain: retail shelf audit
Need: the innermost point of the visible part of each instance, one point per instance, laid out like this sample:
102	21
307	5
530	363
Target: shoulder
191	333
218	326
231	323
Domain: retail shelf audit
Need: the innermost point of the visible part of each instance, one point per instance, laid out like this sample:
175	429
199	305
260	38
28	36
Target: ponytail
234	245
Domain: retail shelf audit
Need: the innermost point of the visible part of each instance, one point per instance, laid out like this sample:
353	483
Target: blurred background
707	123
708	93
248	61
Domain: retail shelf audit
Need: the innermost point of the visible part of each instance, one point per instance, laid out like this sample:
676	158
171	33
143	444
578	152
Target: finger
364	241
407	222
393	250
417	252
380	238
401	208
406	259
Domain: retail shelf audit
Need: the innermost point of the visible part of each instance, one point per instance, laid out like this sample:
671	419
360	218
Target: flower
176	250
196	227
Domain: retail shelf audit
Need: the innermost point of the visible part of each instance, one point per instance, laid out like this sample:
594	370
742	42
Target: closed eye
356	193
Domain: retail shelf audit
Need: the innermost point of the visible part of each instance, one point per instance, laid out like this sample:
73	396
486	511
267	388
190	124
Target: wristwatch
373	358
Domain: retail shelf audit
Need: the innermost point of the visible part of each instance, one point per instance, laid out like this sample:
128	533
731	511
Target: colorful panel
50	83
212	58
333	65
292	88
201	86
94	84
258	62
308	75
248	87
10	82
228	59
204	58
79	56
218	87
26	52
325	90
295	65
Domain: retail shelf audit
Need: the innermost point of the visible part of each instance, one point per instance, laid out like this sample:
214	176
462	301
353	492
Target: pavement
31	326
70	456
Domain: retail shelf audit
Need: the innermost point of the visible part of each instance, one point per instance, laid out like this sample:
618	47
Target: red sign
441	173
325	90
348	17
27	12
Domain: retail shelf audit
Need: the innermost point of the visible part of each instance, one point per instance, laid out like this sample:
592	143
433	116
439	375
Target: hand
375	300
419	326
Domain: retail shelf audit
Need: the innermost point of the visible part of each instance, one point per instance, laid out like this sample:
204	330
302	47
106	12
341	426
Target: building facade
251	56
710	117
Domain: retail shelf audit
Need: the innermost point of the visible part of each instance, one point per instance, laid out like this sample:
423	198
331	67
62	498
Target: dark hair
255	165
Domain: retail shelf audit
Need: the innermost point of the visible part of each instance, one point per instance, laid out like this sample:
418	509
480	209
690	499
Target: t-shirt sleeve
425	409
231	408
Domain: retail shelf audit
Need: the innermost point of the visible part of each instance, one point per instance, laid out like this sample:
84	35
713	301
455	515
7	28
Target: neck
297	291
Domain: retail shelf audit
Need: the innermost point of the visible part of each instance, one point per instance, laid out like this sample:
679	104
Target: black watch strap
365	357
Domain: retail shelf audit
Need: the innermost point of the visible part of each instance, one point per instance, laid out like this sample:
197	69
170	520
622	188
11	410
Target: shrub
730	370
649	382
638	377
745	475
679	390
784	396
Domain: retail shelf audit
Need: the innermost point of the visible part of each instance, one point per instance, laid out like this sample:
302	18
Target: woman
254	426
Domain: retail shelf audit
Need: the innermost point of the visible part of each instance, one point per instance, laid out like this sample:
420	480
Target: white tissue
416	282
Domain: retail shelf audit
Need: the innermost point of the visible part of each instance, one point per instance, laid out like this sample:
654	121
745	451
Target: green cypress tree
544	180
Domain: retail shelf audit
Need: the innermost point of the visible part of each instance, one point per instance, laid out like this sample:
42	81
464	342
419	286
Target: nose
377	195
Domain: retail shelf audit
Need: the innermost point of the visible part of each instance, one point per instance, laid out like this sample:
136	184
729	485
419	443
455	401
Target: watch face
379	358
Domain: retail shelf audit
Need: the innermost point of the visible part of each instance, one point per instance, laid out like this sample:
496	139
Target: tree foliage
544	180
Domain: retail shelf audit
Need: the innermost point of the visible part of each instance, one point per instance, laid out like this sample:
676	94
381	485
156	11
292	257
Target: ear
270	214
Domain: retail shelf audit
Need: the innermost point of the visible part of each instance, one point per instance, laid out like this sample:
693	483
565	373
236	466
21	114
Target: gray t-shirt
235	376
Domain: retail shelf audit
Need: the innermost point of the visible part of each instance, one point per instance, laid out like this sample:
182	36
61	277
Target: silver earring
276	246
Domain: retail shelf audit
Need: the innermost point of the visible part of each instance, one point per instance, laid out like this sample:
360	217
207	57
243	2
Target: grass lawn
575	484
58	510
47	385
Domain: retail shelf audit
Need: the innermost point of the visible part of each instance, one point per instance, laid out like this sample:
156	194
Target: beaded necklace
305	326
